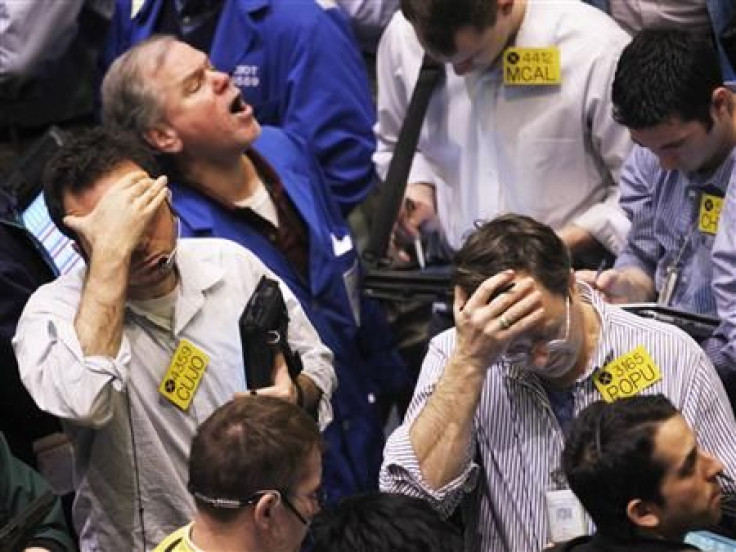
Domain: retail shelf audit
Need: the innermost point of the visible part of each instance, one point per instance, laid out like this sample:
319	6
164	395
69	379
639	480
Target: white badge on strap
565	514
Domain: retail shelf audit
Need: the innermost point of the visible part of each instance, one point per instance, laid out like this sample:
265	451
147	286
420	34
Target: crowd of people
573	156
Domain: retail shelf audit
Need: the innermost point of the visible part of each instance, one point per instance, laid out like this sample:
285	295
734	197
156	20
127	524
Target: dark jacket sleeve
19	486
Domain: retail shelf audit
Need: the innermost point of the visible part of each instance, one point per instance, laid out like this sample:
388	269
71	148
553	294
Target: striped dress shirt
517	441
664	208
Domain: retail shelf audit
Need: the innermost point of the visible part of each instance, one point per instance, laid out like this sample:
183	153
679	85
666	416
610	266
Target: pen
601	268
419	250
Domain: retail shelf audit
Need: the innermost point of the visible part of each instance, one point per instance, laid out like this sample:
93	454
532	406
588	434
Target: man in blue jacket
297	66
274	201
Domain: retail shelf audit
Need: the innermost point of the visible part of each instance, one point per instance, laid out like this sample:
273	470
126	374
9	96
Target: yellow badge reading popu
710	213
532	66
627	375
186	370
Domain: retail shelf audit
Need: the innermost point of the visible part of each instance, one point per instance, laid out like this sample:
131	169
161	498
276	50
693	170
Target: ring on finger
504	322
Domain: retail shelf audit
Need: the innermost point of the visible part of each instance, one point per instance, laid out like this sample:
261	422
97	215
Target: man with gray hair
230	178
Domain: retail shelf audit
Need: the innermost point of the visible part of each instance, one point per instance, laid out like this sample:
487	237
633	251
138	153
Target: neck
159	289
210	535
518	11
229	181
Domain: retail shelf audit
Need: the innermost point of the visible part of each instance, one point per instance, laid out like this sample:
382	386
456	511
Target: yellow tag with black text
627	375
532	66
710	213
186	370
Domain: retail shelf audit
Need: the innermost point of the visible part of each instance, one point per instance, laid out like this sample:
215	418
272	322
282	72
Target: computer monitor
59	247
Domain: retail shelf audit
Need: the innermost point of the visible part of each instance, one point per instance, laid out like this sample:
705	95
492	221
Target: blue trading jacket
299	68
365	360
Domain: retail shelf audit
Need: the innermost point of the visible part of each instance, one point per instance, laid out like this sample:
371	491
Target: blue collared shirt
664	208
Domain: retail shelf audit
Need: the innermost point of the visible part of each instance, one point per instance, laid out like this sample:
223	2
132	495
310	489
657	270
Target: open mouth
237	105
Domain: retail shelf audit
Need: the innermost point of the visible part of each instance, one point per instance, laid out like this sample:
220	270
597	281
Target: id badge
627	375
532	66
565	515
186	370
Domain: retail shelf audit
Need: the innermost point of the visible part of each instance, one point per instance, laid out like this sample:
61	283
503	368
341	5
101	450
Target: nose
221	80
713	465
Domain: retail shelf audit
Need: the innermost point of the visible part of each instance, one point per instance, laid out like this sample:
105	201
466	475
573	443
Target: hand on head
488	321
122	214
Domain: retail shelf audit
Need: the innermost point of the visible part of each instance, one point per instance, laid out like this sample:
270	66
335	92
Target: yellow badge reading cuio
710	213
627	375
186	370
532	66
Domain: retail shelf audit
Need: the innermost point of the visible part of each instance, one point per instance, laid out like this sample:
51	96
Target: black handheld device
264	327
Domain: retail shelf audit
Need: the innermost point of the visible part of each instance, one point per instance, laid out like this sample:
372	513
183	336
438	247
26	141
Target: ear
163	138
643	514
265	509
505	7
721	102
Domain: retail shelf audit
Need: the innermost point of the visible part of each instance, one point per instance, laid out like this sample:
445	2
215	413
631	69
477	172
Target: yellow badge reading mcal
532	66
710	213
627	375
186	370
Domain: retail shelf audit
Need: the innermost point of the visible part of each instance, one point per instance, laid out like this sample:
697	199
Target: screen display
59	247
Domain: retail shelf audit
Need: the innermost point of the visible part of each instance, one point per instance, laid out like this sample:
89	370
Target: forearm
442	433
310	393
99	320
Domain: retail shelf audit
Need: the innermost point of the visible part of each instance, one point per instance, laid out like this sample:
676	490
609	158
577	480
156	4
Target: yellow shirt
178	541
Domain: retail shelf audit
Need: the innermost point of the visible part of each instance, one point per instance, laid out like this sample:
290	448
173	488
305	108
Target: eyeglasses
317	497
522	355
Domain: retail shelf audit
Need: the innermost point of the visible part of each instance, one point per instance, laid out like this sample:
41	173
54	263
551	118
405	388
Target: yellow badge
532	66
710	212
186	370
627	375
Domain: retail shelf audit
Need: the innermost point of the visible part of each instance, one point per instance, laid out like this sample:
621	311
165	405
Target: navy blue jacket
299	68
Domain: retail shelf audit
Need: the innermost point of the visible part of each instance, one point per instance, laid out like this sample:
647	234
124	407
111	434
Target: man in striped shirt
669	92
530	349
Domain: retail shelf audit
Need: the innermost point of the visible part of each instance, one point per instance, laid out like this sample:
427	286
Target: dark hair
383	522
665	73
608	458
513	242
248	445
437	21
83	161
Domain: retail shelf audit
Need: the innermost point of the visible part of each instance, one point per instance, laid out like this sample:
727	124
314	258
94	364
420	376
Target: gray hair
130	99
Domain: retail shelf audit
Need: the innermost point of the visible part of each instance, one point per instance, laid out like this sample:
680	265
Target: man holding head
532	347
261	188
139	347
637	468
255	471
520	124
669	93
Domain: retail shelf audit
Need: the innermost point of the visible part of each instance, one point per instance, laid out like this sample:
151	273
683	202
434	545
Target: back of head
81	162
665	73
437	21
608	458
130	98
383	522
248	445
513	242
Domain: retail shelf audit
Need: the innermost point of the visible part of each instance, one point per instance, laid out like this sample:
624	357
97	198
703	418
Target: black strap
398	170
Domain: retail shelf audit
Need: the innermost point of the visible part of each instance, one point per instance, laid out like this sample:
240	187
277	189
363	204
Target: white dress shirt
550	152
